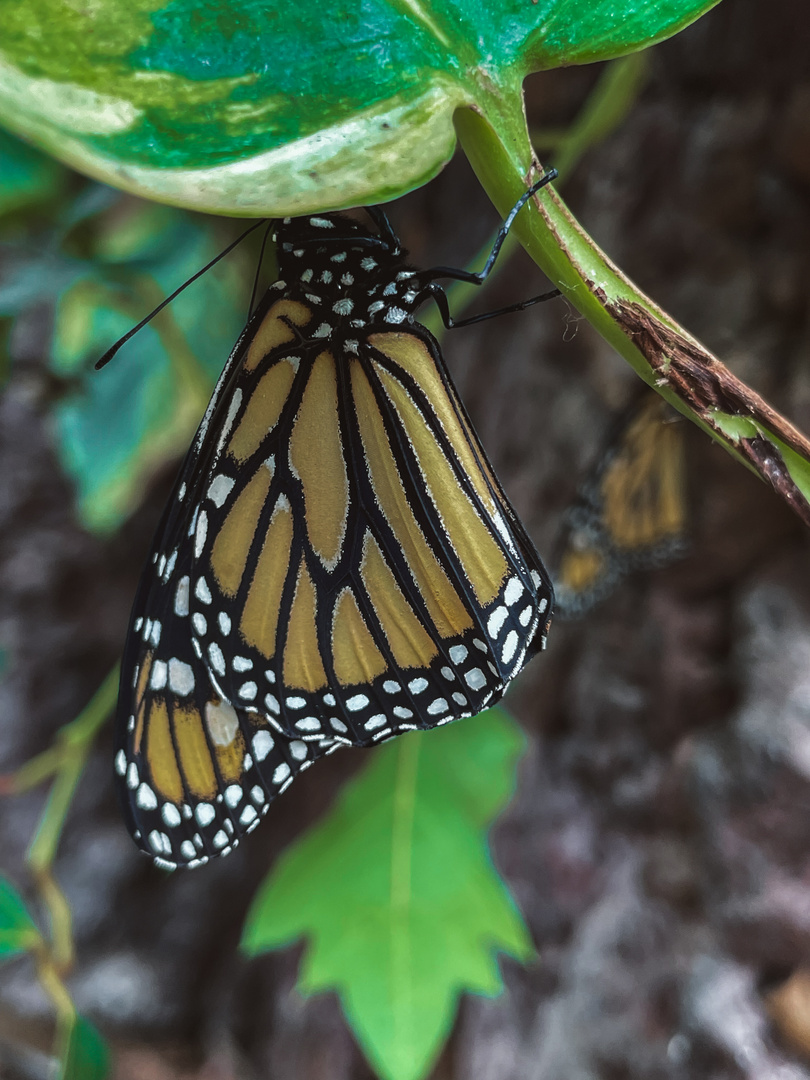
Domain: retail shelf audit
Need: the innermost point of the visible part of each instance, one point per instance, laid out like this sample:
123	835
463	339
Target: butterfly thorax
355	280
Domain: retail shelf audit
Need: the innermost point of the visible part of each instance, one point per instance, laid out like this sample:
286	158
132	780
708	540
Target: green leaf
86	1055
18	932
27	177
120	424
396	892
222	104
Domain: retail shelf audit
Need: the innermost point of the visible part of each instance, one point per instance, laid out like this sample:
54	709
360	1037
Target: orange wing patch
410	643
263	410
445	606
259	622
356	658
274	331
480	554
316	457
303	666
238	532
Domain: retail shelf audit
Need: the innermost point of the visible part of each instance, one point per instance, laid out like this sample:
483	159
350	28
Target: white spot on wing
221	721
281	773
158	675
509	646
309	723
216	658
262	744
146	798
233	795
201	534
475	678
219	489
181	677
513	591
496	621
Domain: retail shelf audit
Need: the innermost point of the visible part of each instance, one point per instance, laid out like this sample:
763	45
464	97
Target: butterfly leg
481	276
437	294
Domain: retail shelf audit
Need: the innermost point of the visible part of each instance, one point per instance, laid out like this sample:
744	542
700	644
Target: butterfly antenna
110	353
259	268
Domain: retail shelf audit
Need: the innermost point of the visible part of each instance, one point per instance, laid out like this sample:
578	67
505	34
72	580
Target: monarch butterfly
630	513
337	563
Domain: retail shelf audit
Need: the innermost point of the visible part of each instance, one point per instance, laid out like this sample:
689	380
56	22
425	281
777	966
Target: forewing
360	571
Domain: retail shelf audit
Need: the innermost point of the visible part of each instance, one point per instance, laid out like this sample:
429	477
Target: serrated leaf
396	893
222	105
18	933
86	1055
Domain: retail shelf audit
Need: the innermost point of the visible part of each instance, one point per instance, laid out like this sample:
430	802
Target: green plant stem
605	107
50	979
663	354
68	758
78	733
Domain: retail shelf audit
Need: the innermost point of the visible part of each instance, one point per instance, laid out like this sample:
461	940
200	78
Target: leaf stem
605	107
64	761
663	354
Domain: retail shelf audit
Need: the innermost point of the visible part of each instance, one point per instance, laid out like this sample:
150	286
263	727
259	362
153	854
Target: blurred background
659	842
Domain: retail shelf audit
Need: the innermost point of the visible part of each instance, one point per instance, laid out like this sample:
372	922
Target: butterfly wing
194	772
338	565
359	570
630	513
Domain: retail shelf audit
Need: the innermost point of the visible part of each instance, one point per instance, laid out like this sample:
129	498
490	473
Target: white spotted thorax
338	564
358	288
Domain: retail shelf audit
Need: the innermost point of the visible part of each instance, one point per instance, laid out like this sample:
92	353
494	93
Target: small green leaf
86	1056
222	105
396	892
18	932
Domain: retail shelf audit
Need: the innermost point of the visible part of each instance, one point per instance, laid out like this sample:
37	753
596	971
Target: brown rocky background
659	844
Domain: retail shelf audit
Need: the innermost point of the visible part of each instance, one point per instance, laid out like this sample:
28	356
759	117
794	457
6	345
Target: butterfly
337	563
631	512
